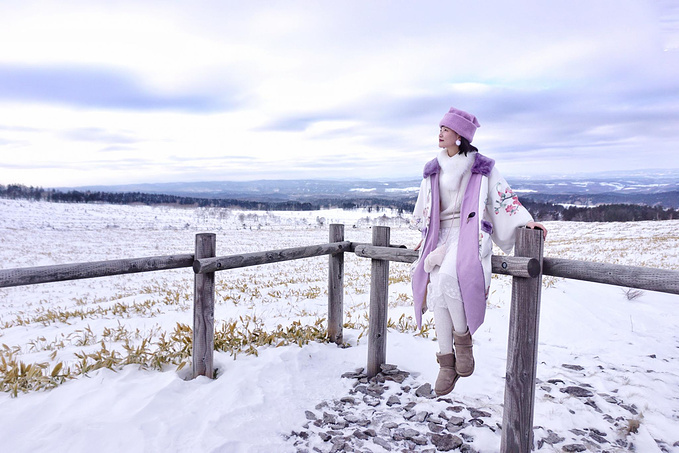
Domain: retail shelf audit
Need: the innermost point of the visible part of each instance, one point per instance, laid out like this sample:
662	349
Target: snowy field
619	348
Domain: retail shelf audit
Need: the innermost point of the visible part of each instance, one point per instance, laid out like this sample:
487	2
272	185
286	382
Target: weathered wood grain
377	324
519	400
386	253
358	244
648	278
76	271
336	287
517	266
204	310
222	263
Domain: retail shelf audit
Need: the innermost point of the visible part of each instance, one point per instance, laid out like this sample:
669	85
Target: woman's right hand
539	226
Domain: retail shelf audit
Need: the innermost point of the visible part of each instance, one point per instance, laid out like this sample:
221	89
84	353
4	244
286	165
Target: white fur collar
455	167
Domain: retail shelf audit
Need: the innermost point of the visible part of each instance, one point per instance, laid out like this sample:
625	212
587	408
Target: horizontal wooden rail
358	244
386	253
63	272
221	263
517	266
652	279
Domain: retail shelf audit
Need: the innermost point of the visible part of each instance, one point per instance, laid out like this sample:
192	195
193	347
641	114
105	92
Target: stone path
393	412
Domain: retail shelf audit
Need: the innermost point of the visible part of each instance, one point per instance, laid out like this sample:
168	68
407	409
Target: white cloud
334	89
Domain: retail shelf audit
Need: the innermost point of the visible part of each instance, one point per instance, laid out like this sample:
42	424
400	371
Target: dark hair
466	147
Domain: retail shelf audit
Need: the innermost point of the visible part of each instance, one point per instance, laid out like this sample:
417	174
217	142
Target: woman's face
447	138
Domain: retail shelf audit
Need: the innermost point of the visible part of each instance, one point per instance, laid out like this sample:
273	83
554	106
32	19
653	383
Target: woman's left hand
538	225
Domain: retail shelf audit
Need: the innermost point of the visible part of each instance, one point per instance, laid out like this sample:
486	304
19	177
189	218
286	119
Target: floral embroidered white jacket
490	211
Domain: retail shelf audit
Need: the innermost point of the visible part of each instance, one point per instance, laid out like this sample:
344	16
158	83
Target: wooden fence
527	267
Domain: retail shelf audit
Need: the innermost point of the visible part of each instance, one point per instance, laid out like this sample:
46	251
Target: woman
463	203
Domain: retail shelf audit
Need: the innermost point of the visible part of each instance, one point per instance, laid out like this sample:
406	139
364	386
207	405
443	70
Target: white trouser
443	294
449	316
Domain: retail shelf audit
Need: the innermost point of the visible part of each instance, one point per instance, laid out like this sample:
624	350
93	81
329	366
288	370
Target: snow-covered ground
622	350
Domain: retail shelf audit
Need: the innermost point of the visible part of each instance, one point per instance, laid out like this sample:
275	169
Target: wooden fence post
522	349
204	310
336	287
379	293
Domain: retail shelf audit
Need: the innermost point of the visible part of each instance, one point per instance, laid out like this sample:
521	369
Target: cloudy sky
104	92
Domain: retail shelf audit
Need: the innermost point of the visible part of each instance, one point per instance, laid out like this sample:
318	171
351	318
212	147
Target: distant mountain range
649	188
272	190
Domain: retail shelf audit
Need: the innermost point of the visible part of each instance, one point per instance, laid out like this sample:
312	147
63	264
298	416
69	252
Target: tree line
16	191
601	213
540	211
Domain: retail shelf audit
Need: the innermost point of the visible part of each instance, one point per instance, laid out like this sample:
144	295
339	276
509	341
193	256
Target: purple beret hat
461	122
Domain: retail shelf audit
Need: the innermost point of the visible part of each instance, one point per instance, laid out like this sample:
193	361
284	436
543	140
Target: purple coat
470	270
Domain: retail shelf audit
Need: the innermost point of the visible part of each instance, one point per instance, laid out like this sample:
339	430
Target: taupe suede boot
445	382
464	357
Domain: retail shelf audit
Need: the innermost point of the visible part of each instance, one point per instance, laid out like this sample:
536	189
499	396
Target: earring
458	142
